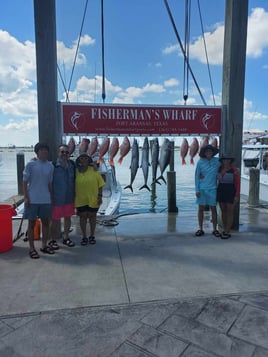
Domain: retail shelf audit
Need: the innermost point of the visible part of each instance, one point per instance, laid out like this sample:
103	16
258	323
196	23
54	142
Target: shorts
226	193
86	209
207	198
59	212
34	211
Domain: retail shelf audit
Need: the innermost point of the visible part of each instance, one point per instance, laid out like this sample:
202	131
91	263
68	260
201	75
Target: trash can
5	228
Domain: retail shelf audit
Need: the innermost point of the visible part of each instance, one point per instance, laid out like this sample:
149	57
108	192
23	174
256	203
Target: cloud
131	93
257	40
172	82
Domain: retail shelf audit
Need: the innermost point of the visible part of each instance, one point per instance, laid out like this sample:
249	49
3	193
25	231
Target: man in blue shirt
37	186
206	186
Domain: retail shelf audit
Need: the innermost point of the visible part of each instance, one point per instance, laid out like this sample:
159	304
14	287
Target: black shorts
226	193
86	209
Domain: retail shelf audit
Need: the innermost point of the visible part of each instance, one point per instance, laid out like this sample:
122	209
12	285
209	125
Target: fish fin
161	178
145	186
130	187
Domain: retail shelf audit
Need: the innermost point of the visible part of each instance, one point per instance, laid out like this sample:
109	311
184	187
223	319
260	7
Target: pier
133	291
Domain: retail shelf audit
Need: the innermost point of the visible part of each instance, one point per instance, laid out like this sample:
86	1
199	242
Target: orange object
37	229
6	228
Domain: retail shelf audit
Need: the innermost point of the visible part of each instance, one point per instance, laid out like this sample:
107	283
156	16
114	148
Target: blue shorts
34	211
207	198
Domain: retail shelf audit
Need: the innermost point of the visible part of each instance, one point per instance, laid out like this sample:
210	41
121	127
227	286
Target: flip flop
84	241
199	233
225	235
92	240
47	250
53	245
33	254
216	233
68	242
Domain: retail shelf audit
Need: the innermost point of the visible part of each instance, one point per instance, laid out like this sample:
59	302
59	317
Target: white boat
255	155
111	193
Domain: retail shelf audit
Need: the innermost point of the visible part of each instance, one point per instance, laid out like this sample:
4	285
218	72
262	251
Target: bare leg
229	217
55	229
224	214
214	217
201	216
83	223
45	231
67	225
93	222
31	234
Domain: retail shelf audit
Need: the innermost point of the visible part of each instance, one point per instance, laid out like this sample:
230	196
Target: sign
135	120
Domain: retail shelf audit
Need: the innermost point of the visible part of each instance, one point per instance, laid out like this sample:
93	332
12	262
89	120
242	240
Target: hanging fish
124	149
83	145
204	142
103	148
184	150
145	163
93	146
113	150
71	146
194	147
214	142
134	164
155	156
164	159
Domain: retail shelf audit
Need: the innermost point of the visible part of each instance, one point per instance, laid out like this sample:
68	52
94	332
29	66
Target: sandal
199	233
84	241
92	240
53	245
68	242
216	233
225	235
33	254
47	250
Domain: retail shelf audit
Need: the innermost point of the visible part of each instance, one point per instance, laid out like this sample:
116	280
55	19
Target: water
139	201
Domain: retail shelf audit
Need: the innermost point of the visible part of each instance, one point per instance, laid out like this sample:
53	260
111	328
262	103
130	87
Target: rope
102	50
209	74
77	48
183	51
186	48
63	83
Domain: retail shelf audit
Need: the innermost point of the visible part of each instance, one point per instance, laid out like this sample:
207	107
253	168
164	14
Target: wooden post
254	187
49	122
234	59
20	168
171	183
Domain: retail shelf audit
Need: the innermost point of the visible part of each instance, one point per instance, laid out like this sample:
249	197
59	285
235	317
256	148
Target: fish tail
111	162
161	178
145	186
192	161
120	160
130	187
183	162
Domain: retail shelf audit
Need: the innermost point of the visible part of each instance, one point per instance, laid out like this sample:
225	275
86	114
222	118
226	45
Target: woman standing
228	192
88	196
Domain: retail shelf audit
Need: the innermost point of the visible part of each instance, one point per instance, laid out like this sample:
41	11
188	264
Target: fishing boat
111	192
255	155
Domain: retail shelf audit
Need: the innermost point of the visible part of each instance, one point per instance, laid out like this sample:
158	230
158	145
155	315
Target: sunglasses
64	152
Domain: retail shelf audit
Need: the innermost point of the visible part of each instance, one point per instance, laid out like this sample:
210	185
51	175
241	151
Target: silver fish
145	163
155	156
134	165
165	153
205	119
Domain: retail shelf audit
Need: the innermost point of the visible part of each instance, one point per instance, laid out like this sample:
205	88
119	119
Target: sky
143	61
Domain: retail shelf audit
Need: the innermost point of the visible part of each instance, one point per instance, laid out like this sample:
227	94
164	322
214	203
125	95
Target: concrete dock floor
149	287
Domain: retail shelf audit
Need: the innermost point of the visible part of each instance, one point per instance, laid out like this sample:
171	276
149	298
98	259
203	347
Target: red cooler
6	228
